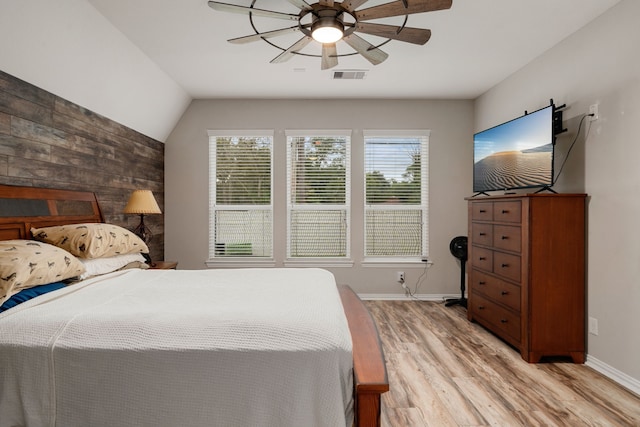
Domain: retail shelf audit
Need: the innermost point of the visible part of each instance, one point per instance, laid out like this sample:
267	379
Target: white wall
69	49
450	122
598	64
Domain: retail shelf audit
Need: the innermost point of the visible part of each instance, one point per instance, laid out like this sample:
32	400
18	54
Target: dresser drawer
507	211
507	237
482	258
507	265
503	322
502	292
482	234
482	211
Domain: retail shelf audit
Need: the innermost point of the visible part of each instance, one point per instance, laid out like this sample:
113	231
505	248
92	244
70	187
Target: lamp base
144	233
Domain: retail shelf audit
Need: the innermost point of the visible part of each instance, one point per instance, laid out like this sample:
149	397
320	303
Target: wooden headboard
22	208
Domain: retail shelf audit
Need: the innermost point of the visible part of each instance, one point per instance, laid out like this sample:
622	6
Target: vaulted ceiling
474	45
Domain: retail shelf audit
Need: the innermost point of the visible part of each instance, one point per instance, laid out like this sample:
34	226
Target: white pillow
97	266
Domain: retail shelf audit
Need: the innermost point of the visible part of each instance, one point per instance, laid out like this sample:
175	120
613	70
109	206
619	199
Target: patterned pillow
27	263
92	240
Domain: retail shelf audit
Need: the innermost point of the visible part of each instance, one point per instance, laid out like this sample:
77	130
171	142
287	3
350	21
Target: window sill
318	263
240	263
390	263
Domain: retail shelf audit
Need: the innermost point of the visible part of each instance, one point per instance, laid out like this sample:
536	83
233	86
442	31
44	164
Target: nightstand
163	265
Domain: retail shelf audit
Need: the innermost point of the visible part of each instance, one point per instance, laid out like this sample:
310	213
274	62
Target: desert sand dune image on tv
514	169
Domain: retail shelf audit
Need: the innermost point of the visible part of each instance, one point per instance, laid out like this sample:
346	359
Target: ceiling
474	45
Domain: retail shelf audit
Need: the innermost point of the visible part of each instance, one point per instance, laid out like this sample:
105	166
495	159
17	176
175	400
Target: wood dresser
527	272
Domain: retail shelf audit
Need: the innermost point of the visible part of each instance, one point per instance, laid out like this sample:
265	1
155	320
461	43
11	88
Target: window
318	197
240	194
396	194
391	218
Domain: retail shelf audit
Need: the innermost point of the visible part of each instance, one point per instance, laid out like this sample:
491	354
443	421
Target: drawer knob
504	237
482	282
503	320
483	258
504	265
504	211
483	234
481	307
504	293
483	211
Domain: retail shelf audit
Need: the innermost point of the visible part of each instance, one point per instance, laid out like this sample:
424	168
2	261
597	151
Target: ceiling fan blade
405	34
352	5
329	56
287	54
397	8
226	7
265	35
303	5
366	49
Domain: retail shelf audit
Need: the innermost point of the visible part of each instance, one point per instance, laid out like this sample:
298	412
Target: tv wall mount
557	118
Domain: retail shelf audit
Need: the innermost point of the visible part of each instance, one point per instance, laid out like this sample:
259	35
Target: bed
144	352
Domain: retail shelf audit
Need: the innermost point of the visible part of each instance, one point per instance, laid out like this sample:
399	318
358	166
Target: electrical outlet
400	276
593	109
593	326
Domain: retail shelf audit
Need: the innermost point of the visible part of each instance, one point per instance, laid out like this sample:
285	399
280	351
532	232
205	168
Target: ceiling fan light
327	30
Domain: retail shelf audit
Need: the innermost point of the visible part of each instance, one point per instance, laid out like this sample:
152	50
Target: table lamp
143	203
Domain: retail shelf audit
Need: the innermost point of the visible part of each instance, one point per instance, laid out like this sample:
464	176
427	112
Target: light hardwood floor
446	371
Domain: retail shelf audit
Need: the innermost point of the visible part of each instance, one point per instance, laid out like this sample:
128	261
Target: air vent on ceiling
349	74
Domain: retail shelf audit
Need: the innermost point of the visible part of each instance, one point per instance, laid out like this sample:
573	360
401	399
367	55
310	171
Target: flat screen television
516	154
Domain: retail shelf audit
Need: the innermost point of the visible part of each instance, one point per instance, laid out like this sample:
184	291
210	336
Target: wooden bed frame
22	208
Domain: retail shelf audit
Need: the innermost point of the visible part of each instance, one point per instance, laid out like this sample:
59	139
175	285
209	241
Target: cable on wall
573	143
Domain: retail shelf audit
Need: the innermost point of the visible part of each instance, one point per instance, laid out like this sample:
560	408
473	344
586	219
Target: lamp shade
142	202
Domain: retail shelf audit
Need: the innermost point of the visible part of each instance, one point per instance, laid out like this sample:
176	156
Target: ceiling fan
328	22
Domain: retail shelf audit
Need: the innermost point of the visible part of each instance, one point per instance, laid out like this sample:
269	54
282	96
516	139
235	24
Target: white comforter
241	348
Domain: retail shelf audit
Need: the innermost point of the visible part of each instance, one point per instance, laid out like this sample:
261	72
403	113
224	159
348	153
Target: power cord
412	294
573	143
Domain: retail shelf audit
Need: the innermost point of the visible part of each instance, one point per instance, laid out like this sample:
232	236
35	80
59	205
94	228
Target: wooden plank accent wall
47	141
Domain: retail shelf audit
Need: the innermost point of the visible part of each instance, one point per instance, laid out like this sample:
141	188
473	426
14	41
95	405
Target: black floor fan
458	248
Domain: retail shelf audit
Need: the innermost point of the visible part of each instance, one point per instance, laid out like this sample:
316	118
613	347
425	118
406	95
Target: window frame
328	261
235	261
424	136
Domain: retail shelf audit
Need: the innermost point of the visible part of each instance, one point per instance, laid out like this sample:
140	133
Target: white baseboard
403	297
612	373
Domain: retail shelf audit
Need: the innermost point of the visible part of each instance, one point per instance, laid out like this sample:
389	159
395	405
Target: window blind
240	194
396	194
318	196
